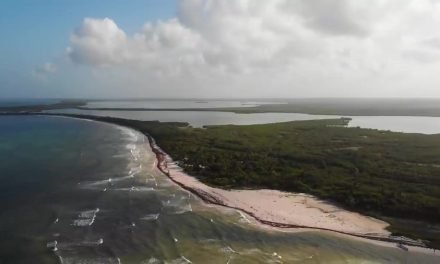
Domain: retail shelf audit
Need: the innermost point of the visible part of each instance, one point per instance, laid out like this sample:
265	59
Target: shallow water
407	124
93	188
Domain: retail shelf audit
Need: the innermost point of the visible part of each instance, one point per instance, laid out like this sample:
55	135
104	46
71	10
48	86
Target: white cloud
271	48
98	42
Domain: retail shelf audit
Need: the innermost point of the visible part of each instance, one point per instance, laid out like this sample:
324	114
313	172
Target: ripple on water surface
105	203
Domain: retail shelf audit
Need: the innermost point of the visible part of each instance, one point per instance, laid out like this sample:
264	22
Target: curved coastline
162	165
163	160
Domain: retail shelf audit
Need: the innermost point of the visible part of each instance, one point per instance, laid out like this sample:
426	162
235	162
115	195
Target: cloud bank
276	48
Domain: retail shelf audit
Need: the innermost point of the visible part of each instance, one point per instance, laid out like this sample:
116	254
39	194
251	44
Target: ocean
77	191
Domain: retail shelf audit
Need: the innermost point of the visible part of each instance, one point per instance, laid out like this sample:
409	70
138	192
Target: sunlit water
407	124
93	188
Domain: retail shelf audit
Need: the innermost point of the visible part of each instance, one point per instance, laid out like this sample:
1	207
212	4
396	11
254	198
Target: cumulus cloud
98	42
341	17
270	48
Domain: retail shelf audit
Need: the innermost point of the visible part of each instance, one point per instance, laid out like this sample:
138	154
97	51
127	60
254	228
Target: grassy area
395	176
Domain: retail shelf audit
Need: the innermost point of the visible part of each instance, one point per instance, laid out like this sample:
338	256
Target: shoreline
163	160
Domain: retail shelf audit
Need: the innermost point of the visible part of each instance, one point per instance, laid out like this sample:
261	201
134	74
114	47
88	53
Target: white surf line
86	218
94	217
155	182
135	157
135	170
231	250
52	245
92	243
135	189
150	217
187	260
243	216
275	254
109	180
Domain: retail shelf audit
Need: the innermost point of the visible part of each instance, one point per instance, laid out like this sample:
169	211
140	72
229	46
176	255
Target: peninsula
390	177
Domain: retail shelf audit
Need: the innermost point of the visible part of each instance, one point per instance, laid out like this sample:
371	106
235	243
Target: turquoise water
93	188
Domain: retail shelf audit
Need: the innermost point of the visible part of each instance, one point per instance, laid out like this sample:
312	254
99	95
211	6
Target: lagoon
93	188
406	124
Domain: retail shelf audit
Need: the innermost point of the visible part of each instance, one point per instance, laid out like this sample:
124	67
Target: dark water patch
91	187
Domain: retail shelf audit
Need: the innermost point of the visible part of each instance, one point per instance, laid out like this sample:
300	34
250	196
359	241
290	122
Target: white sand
297	209
284	208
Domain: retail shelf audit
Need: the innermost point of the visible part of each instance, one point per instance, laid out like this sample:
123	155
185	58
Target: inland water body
76	191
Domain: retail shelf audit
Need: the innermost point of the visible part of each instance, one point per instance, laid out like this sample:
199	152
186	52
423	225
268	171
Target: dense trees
384	174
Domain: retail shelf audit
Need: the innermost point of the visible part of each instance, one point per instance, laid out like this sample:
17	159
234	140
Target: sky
219	48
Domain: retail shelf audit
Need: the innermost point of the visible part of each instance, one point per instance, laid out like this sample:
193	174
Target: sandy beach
276	208
283	209
286	211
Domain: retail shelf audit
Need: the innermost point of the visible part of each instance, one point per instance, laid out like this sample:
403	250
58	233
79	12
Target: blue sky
35	31
219	48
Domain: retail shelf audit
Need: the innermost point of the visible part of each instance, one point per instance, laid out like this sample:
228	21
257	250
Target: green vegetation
323	106
37	108
383	174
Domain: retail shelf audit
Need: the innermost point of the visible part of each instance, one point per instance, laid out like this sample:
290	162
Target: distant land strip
380	177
